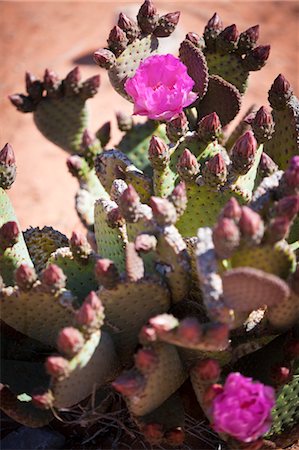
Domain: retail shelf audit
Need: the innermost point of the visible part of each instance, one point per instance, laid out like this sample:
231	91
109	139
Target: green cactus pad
278	259
285	141
109	162
36	313
93	366
128	307
196	64
62	121
167	377
128	62
135	142
222	97
41	243
80	273
12	257
110	241
22	410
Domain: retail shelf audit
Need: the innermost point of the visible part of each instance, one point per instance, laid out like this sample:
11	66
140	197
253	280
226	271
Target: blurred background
60	35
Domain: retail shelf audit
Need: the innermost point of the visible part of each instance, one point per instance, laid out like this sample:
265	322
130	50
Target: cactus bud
42	399
8	168
147	334
210	393
209	128
232	210
124	121
87	139
104	133
146	360
243	153
175	436
291	175
257	57
70	341
129	26
278	229
106	273
288	206
22	103
115	219
267	166
25	277
86	316
280	374
212	30
214	172
57	367
145	243
75	164
129	383
9	235
167	24
71	81
177	128
104	58
251	225
93	300
194	38
189	331
79	245
147	17
163	210
52	84
248	39
53	277
280	92
178	198
34	87
158	152
263	125
153	432
117	40
208	370
90	87
129	204
188	167
226	237
228	38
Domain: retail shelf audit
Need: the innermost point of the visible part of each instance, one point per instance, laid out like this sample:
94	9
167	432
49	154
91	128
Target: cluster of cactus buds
190	266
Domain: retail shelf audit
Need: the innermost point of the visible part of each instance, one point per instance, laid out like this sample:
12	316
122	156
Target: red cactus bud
288	206
175	436
194	38
104	133
210	393
263	125
57	367
115	218
90	87
86	315
230	33
189	330
291	349
147	334
124	121
146	360
129	204
213	28
232	210
33	86
226	237
79	245
104	58
163	210
130	196
7	156
74	164
188	167
129	26
177	127
280	92
163	323
87	139
129	383
261	53
51	79
215	171
147	17
208	370
278	229
267	165
22	103
153	432
9	234
25	276
263	117
106	273
243	153
167	24
117	37
280	374
145	243
178	198
251	224
250	36
42	399
53	277
158	152
291	175
209	127
70	341
73	77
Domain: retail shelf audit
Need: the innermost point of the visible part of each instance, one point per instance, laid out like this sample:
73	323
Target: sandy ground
59	35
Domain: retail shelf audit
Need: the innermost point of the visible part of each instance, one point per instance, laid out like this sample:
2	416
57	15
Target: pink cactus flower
161	88
243	409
